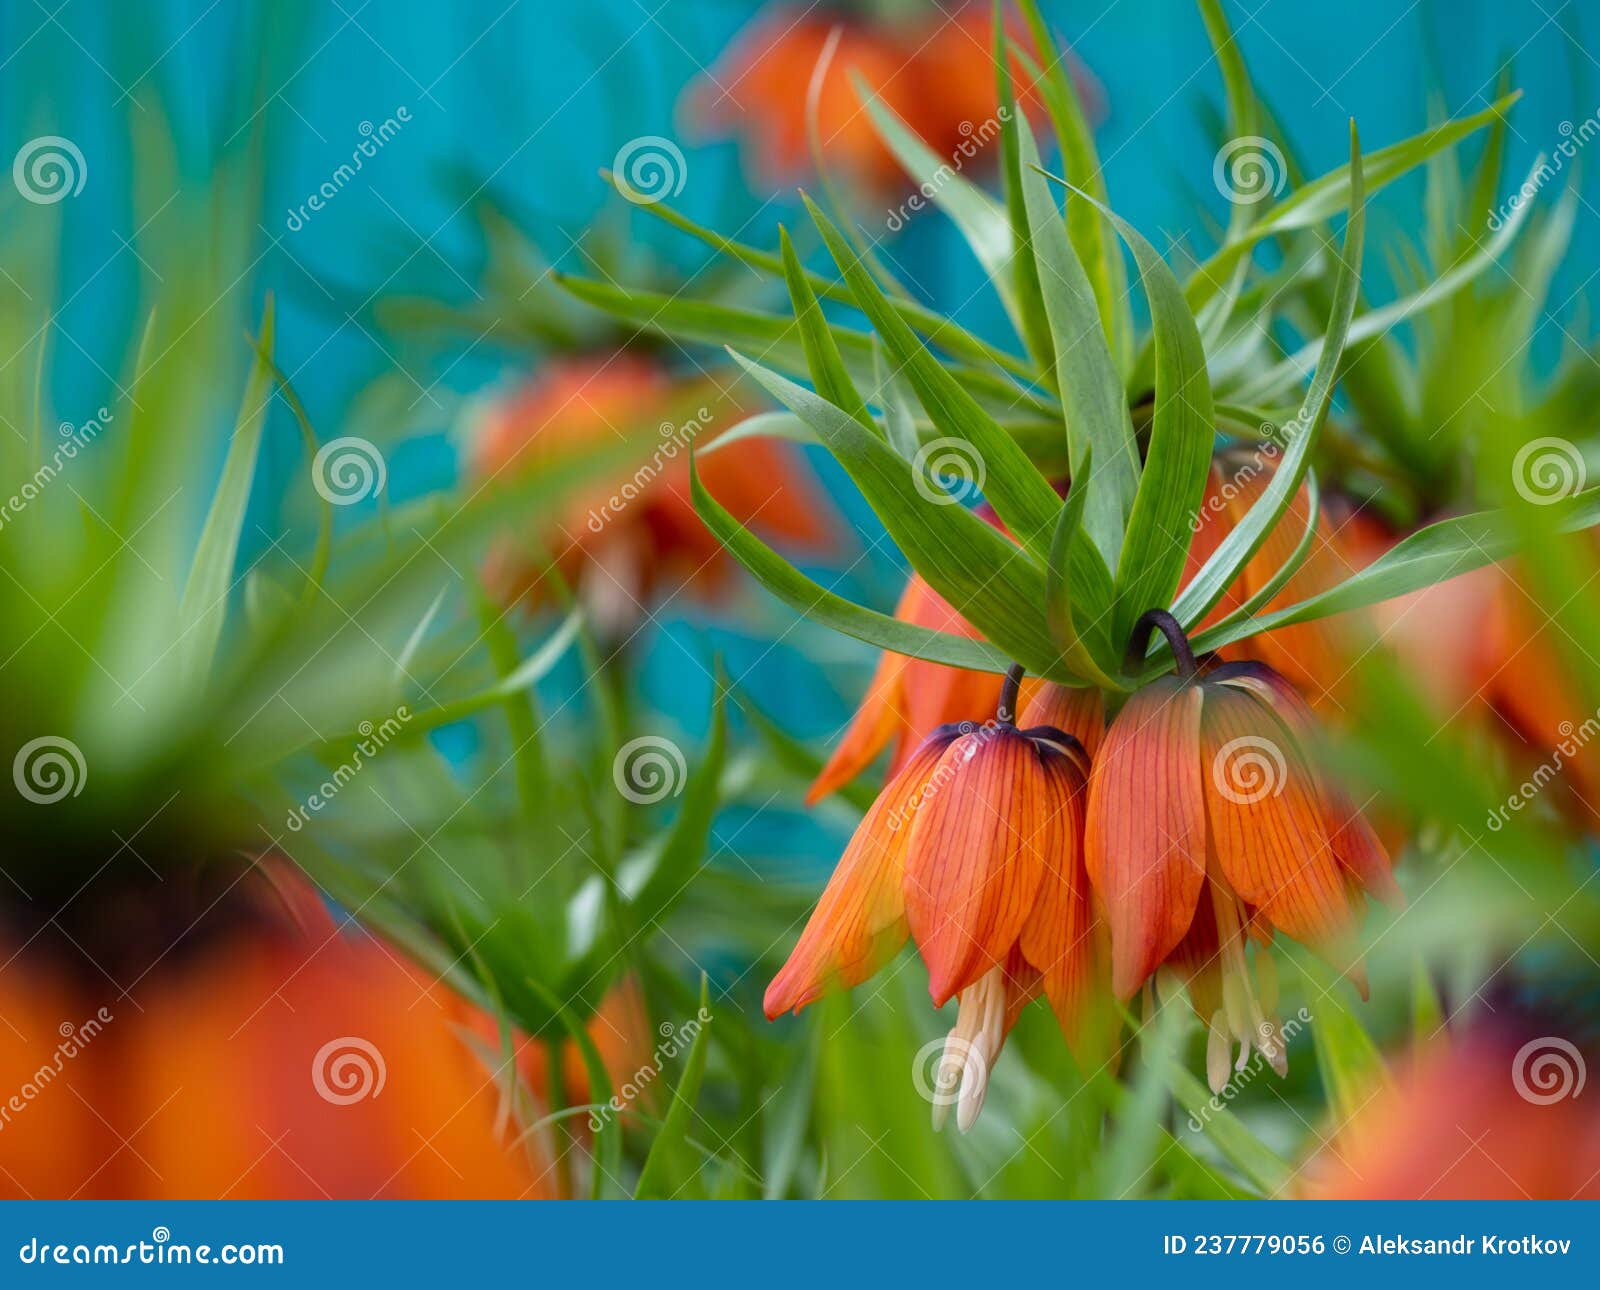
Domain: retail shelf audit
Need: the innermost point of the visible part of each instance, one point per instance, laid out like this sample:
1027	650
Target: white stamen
970	1050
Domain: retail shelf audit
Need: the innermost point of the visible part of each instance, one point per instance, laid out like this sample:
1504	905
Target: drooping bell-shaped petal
1355	843
860	919
1079	711
1267	826
1061	938
1145	837
989	817
909	698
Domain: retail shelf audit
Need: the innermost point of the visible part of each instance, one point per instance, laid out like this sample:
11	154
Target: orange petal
1198	960
860	919
909	699
1145	836
1316	655
877	721
989	817
1079	711
1266	820
1059	936
1355	843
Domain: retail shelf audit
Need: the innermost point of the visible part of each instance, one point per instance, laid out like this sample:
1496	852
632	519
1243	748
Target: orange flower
1316	656
1496	1115
936	74
1477	645
636	538
1209	825
975	851
266	1055
908	698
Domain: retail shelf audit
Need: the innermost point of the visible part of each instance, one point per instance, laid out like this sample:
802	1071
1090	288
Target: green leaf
775	337
1375	322
1021	496
1433	554
828	372
1325	197
655	889
981	220
1093	238
1245	538
1227	1132
1035	324
205	595
1242	115
605	1182
1061	584
988	580
670	1166
1092	398
939	330
819	605
1347	1057
1182	433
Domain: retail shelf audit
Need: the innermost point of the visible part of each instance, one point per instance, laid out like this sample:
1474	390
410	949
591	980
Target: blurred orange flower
1493	1115
935	72
635	539
269	1055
